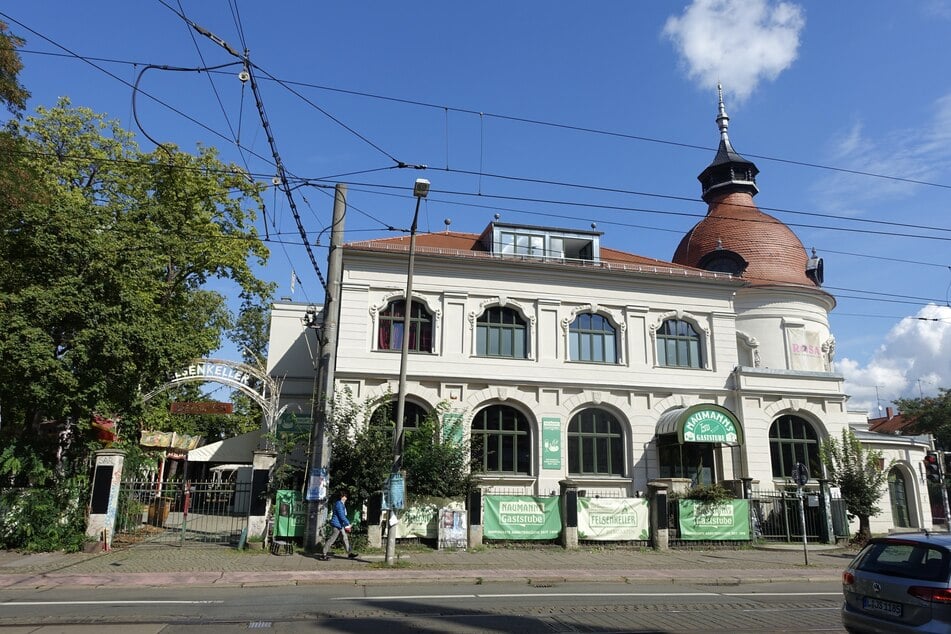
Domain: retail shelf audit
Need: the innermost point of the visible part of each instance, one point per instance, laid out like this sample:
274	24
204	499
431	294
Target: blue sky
565	114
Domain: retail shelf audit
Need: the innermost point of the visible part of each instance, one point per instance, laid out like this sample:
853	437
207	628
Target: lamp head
421	189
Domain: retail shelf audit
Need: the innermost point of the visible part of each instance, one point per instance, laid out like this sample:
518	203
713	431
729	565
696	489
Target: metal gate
776	517
179	514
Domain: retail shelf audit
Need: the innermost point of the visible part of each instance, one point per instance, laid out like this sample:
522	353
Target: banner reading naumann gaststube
729	520
521	517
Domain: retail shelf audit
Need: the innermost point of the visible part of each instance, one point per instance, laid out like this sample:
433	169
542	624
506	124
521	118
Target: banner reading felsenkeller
613	519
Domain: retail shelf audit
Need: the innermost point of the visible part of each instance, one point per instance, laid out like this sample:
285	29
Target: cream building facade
564	358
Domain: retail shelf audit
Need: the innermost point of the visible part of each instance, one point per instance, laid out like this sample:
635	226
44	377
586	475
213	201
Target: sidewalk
153	565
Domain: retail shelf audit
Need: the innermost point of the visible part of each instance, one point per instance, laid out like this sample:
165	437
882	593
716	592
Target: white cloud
922	154
736	42
914	360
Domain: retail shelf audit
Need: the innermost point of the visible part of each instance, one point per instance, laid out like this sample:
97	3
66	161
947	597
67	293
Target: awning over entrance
239	449
702	423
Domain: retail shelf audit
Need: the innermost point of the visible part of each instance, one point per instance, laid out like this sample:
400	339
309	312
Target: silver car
899	584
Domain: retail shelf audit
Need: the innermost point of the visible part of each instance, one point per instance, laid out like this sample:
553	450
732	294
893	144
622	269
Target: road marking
782	594
539	595
545	595
146	602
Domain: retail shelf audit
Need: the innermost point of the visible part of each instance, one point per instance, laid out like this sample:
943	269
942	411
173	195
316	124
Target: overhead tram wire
610	133
665	212
136	90
615	190
287	83
89	61
265	123
211	81
578	128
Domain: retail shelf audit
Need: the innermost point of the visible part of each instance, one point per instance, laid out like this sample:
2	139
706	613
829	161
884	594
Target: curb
385	577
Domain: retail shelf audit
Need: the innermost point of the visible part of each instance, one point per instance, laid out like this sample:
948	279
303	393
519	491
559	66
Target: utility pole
420	190
326	368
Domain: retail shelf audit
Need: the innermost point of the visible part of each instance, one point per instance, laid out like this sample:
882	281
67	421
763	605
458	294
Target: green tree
361	455
859	473
931	415
362	452
12	93
104	284
438	467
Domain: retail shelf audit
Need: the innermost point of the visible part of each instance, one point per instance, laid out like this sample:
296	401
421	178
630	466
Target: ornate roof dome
736	237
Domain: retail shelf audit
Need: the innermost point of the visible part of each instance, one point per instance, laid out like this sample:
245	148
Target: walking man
341	527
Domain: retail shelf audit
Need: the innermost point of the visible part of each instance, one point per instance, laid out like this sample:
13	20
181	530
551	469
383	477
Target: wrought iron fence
180	513
775	516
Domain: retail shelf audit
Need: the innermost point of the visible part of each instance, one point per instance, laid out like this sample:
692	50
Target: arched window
679	345
391	326
385	415
595	444
501	332
791	440
501	441
898	496
591	337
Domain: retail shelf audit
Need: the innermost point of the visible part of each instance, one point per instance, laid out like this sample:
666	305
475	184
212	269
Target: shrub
709	494
43	520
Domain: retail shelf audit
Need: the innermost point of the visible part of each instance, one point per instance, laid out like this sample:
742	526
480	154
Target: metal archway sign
232	374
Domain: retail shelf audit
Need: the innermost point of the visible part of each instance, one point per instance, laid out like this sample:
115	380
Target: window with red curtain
392	325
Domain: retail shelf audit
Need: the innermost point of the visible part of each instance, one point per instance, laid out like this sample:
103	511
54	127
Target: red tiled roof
451	243
774	253
898	423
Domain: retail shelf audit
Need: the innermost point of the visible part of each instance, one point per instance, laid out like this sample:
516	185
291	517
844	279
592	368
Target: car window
902	559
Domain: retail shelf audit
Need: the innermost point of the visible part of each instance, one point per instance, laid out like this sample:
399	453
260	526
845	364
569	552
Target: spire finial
723	120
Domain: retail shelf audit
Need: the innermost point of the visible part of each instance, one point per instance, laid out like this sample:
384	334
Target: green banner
291	518
521	517
728	521
452	427
551	443
613	519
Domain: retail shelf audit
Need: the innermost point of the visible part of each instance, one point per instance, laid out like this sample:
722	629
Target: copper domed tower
736	237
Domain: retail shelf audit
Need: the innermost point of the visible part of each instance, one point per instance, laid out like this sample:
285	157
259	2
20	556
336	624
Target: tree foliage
12	93
931	415
108	257
859	473
362	453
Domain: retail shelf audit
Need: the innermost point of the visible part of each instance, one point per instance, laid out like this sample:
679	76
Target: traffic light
933	466
947	462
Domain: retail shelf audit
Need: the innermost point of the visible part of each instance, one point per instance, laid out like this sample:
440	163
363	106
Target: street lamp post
420	190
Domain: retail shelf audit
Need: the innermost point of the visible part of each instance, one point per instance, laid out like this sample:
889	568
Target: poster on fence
613	519
521	517
420	517
728	521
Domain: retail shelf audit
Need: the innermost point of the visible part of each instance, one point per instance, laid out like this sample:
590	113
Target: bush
43	520
709	494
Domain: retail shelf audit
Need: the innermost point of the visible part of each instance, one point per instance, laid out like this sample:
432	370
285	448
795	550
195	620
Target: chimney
889	412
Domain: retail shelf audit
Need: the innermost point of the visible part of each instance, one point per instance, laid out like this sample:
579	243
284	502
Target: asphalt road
396	608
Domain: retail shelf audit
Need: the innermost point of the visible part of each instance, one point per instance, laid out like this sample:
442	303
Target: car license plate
885	607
